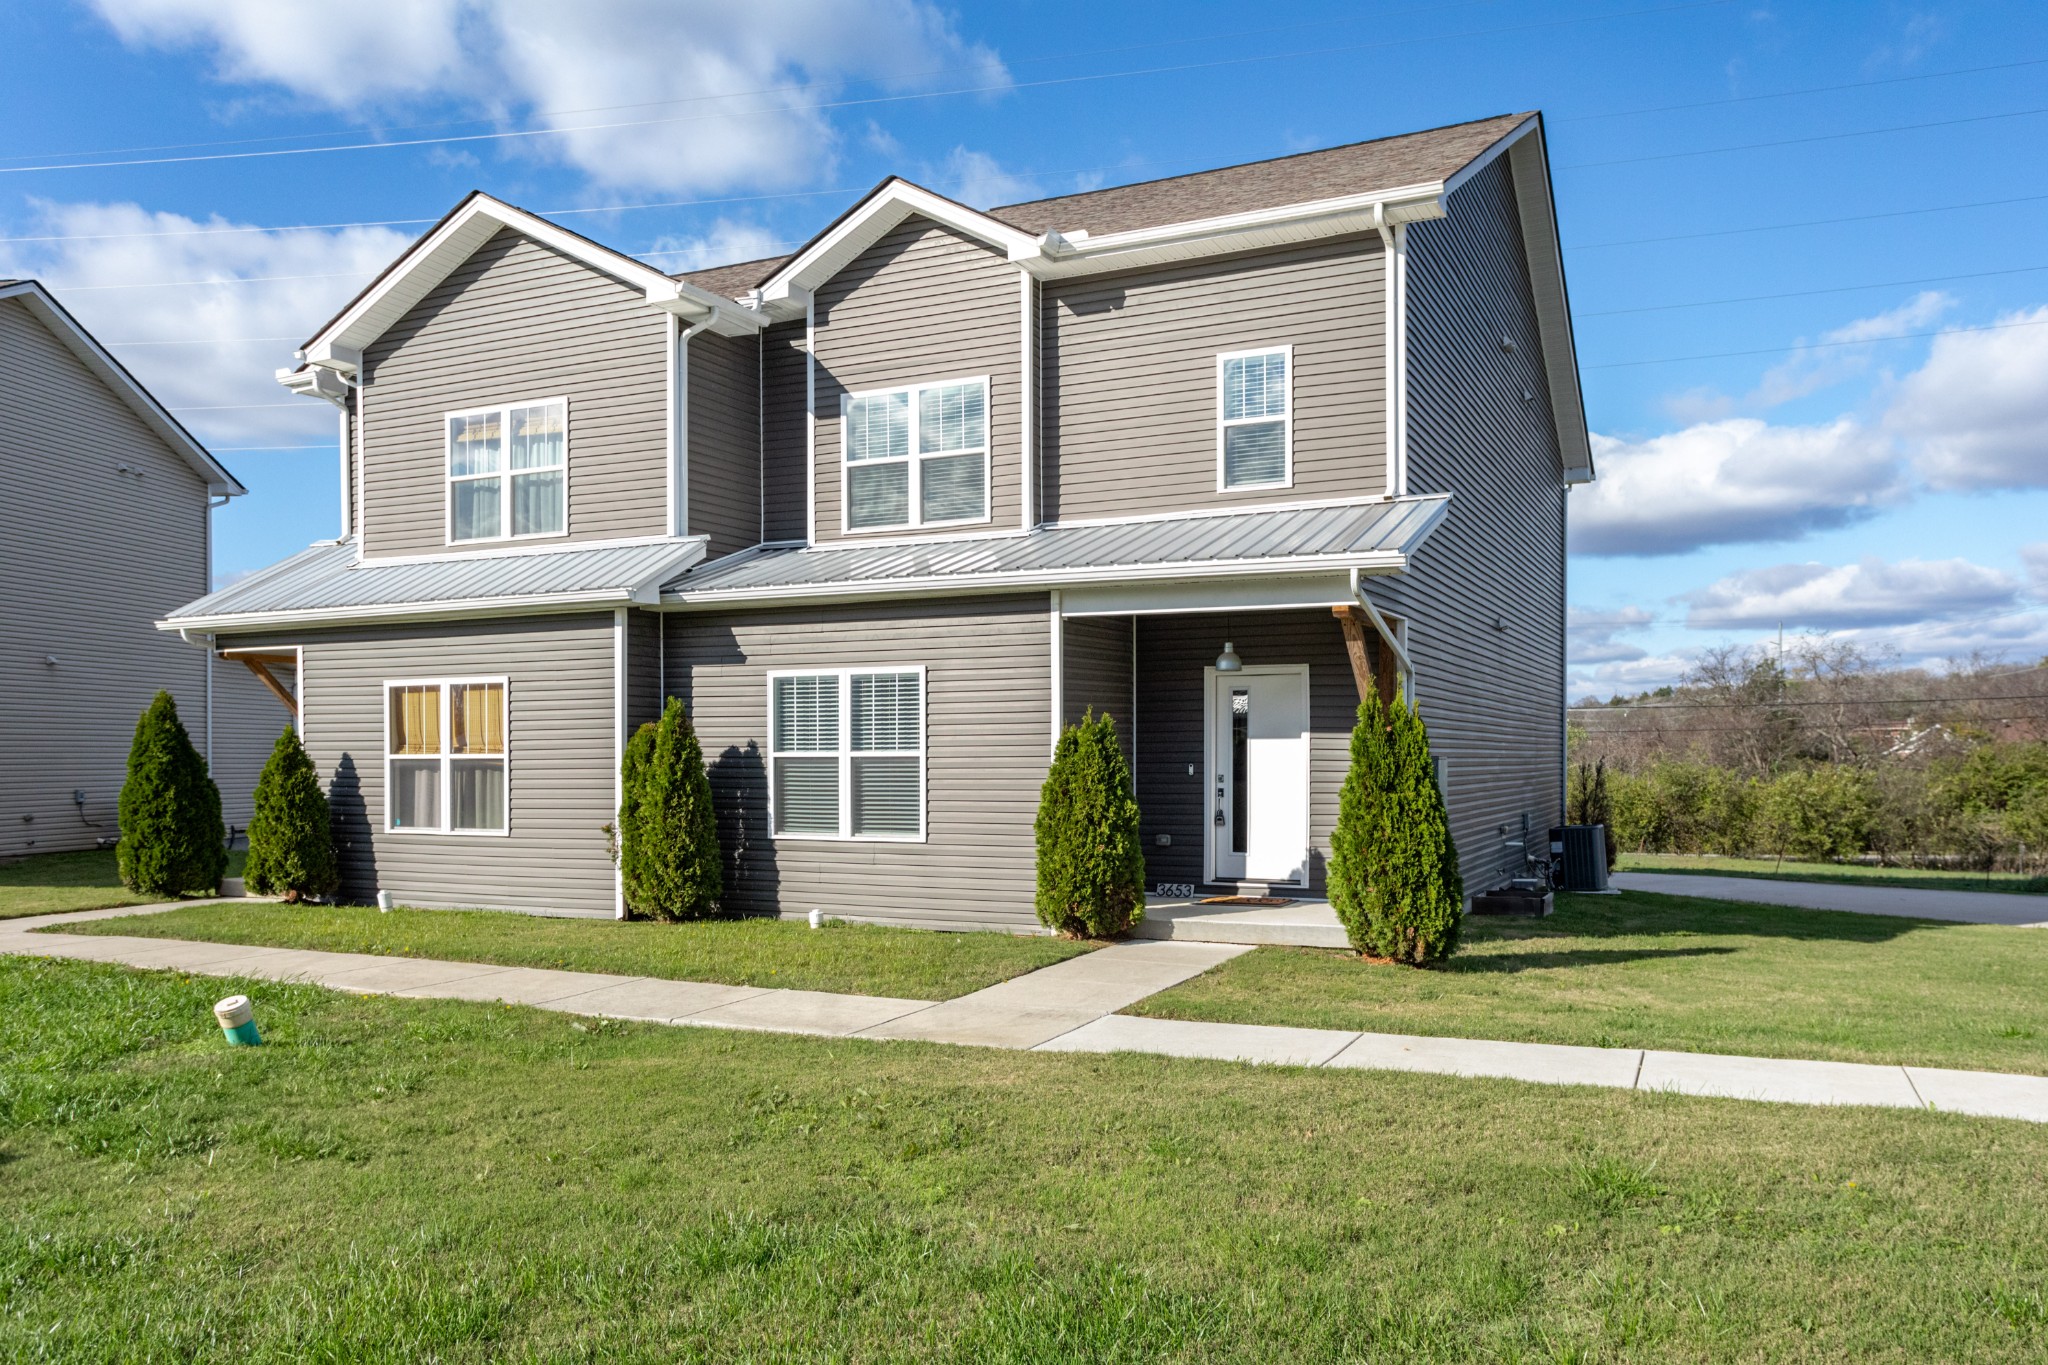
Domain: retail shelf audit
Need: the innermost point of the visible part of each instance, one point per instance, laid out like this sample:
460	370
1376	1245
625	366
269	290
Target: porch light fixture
1227	661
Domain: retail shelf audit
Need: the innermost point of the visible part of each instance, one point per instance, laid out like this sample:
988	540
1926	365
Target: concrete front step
1300	924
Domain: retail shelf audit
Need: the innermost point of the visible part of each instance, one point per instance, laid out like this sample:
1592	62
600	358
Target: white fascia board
314	381
1491	154
98	359
784	292
1271	593
1529	164
443	610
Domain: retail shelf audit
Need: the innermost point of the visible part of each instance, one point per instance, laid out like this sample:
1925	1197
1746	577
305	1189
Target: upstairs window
1255	419
508	472
847	751
445	757
916	456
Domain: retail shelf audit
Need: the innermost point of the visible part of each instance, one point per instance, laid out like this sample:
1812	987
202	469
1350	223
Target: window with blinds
916	456
1254	439
846	748
445	757
508	472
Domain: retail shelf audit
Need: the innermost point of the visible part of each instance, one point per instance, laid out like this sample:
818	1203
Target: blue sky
1844	429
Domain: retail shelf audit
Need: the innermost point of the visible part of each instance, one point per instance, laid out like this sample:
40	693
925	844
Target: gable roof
111	372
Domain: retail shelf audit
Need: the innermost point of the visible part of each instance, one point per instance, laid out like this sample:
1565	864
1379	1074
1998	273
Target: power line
1616	707
1745	730
1809	293
1810	90
1816	345
1810	222
1802	141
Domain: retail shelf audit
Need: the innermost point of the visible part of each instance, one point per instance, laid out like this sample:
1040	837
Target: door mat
1246	900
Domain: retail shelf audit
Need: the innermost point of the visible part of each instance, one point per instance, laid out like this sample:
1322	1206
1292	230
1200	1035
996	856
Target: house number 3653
1183	890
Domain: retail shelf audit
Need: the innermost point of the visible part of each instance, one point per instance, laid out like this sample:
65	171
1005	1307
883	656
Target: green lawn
1680	973
418	1180
865	959
1921	878
51	883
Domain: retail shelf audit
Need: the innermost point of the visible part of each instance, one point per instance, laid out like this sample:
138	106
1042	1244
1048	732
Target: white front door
1258	759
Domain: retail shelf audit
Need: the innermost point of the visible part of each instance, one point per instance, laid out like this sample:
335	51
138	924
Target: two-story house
1214	454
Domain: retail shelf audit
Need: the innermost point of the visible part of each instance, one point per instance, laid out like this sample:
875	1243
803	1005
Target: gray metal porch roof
330	581
1375	535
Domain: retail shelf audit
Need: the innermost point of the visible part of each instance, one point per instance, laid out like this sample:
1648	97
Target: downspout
1387	637
679	425
1394	255
210	505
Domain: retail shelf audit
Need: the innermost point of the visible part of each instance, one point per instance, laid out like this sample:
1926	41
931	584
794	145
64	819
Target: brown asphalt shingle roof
1383	163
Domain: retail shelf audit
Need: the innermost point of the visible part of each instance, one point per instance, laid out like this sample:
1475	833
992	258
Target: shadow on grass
1643	914
1503	963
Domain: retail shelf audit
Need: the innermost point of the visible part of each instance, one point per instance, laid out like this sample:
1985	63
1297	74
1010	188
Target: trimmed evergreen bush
291	844
1393	871
1091	867
173	842
669	857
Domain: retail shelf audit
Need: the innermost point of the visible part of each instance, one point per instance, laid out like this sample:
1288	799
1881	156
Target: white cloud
1735	481
1590	634
1976	414
728	243
713	80
1868	593
1845	351
1629	675
2013	636
301	278
978	181
2035	557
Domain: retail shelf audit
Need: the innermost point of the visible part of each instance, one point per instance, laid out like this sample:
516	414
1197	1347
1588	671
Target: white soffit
124	385
474	222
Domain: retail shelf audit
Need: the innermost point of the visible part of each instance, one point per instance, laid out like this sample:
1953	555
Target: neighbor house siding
1485	595
519	321
722	426
785	476
1129	396
988	725
1095	668
102	532
923	303
1173	784
559	735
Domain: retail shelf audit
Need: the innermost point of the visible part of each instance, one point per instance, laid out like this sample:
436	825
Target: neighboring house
1213	454
104	527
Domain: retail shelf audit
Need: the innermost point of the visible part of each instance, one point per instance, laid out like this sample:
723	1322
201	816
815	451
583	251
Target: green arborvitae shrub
173	842
1600	811
1393	871
1091	867
291	844
668	846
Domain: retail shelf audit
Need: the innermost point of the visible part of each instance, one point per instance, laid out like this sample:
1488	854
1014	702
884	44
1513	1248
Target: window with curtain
916	456
508	471
847	753
1254	440
445	757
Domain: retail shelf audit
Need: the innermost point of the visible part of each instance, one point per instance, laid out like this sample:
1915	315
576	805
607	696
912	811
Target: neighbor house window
508	471
445	756
1255	437
846	748
916	456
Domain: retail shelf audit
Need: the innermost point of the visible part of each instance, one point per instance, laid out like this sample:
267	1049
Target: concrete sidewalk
1068	1007
1963	907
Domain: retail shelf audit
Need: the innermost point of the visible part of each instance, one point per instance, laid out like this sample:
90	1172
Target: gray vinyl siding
1095	670
559	736
723	439
92	557
1492	697
1173	652
644	676
923	303
785	453
1129	391
988	737
519	321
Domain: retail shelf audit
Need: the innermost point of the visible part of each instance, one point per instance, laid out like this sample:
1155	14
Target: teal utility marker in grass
238	1021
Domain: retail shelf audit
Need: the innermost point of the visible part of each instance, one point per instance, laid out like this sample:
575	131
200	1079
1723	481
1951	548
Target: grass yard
52	883
864	959
425	1180
1680	973
1919	878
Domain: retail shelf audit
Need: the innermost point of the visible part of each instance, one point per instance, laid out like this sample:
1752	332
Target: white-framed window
508	471
846	753
915	456
446	756
1255	419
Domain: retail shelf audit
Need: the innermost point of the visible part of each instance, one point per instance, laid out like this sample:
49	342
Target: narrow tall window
508	471
1255	419
916	456
445	757
847	752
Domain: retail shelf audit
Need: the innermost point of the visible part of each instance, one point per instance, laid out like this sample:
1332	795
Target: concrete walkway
1068	1007
1964	907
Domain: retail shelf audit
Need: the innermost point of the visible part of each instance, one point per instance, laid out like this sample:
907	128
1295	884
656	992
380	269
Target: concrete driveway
1966	907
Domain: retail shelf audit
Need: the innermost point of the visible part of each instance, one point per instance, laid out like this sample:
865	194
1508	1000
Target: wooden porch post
1355	624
